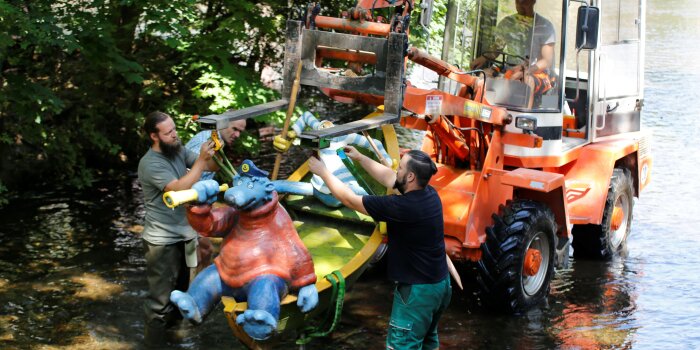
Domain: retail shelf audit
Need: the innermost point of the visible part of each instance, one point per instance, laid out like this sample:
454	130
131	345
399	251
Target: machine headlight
526	122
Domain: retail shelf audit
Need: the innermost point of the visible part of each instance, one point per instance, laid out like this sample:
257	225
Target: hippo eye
250	185
240	182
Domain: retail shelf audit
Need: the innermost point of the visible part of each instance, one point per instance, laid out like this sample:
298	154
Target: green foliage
77	77
431	39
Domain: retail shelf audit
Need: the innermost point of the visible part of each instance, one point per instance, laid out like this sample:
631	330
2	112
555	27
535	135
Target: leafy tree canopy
78	76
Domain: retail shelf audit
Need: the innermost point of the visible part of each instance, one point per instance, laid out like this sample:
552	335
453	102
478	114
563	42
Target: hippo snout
238	199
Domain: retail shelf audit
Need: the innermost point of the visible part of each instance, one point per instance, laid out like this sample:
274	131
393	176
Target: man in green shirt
527	36
169	241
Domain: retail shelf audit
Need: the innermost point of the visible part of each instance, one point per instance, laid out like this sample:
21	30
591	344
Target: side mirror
426	13
587	25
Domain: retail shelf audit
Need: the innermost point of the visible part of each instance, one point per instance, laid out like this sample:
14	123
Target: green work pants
166	271
415	314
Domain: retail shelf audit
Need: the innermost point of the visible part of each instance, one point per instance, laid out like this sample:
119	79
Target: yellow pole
290	111
174	198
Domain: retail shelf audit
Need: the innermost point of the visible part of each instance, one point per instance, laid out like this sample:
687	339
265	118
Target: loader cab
519	48
596	85
524	44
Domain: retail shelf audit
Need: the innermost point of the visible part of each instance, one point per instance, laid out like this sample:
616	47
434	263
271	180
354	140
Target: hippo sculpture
262	257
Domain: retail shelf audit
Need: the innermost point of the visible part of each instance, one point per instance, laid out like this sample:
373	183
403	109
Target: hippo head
251	188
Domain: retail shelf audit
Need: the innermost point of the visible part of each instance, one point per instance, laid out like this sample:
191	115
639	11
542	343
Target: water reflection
60	261
597	310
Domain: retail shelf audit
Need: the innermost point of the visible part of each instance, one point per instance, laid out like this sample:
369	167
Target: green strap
224	169
230	167
223	162
353	170
337	297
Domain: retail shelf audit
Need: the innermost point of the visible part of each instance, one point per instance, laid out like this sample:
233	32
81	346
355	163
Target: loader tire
504	282
604	241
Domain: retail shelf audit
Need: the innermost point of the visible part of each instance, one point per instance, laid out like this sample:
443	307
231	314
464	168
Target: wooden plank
220	121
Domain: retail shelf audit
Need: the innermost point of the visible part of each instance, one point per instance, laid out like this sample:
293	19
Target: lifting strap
333	313
355	173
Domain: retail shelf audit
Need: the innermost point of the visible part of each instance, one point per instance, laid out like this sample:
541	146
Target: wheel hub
618	215
619	220
533	260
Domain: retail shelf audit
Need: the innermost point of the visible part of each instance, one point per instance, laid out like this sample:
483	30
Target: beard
400	184
171	150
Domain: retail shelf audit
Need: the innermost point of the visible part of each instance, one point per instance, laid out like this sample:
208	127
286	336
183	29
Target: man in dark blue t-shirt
416	249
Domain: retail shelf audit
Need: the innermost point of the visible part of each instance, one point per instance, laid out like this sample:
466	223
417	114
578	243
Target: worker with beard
416	247
169	241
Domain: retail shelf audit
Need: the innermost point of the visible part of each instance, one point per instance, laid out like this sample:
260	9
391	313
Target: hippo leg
327	199
263	295
293	187
355	187
205	291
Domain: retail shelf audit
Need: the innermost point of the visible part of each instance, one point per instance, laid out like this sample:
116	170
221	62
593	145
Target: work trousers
166	271
415	314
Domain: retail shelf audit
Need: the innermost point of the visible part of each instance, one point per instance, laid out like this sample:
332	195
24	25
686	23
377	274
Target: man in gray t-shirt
168	238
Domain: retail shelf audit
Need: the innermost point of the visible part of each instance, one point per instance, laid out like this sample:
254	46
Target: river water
72	268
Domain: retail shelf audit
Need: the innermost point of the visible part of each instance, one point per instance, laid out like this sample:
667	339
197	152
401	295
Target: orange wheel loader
537	137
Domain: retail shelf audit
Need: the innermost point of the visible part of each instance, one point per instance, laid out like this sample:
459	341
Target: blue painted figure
328	155
262	257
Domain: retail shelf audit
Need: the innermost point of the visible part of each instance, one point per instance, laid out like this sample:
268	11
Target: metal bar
352	127
220	121
346	55
363	27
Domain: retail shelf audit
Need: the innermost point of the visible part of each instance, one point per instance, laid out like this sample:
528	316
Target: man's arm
380	172
546	57
211	165
202	163
192	176
339	190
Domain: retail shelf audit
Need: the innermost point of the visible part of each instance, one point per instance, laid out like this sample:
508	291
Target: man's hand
352	152
281	143
206	151
317	167
516	73
478	62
